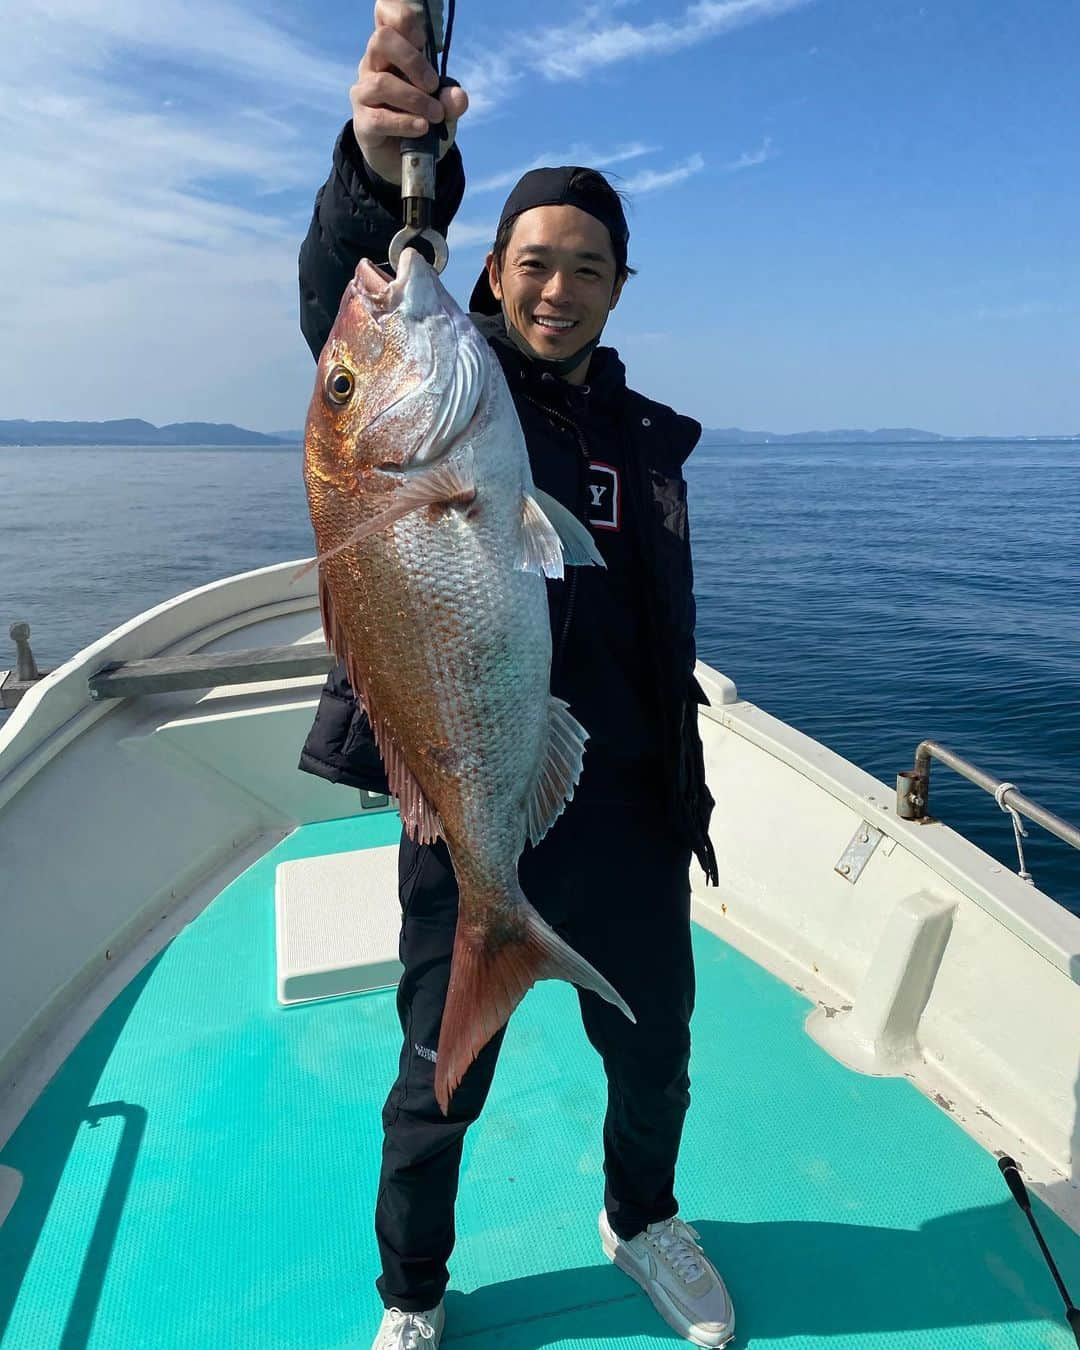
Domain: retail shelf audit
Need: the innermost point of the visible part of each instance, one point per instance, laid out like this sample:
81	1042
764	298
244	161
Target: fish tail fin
489	978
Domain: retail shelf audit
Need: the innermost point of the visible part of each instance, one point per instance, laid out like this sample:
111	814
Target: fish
432	545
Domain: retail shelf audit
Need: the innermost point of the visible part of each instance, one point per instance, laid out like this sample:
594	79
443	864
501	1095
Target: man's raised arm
358	209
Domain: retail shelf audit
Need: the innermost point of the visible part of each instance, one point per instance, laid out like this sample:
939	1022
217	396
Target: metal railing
913	796
164	674
203	670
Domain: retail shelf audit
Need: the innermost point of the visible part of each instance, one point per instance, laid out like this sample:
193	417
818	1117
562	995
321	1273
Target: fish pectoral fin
444	484
489	978
447	483
559	770
576	545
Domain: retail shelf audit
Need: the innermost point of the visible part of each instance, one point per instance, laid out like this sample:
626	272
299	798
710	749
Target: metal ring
405	237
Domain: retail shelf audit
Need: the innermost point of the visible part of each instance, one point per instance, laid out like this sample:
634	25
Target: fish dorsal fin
559	770
553	538
417	813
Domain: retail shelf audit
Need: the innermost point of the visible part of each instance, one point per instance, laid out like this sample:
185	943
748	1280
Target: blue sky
845	212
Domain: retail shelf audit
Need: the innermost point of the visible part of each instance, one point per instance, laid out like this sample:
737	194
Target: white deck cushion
338	921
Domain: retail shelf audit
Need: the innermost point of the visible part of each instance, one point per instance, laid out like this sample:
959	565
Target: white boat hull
120	821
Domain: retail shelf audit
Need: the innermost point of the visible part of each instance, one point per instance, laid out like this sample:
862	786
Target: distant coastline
860	436
134	431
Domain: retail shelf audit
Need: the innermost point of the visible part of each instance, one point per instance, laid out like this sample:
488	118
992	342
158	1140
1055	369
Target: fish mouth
379	293
415	291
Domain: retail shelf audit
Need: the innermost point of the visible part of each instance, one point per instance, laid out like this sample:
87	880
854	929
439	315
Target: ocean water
872	596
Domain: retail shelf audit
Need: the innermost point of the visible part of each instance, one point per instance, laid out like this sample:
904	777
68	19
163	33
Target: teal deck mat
201	1174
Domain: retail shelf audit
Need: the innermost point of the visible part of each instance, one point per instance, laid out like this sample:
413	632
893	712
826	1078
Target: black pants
614	883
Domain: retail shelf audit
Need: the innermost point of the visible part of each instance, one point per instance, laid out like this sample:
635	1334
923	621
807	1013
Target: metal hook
404	239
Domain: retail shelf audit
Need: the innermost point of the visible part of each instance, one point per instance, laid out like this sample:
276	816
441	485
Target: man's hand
394	96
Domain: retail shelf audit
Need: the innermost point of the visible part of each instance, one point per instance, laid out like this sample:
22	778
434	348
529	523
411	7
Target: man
612	874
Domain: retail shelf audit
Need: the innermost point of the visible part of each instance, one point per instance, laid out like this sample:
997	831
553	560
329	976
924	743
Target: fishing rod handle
435	142
1011	1173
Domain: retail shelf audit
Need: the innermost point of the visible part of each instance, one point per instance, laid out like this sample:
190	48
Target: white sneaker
410	1331
684	1285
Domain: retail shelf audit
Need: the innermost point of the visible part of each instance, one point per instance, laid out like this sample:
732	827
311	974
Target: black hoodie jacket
622	638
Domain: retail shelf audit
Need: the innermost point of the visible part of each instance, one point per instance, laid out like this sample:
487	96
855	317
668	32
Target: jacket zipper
571	585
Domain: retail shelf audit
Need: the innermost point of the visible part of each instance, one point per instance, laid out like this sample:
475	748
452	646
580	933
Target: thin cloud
595	42
577	154
214	36
469	234
489	80
651	180
749	159
189	135
1026	309
573	52
156	267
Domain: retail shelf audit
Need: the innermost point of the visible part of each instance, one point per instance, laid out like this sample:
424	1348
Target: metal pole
913	791
25	666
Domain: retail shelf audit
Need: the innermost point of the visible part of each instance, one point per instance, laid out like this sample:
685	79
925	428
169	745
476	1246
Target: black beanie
554	187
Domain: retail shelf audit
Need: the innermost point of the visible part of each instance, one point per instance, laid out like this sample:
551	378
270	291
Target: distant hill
134	431
848	436
736	436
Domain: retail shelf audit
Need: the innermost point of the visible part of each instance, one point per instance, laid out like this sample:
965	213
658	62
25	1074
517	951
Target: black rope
429	34
448	36
430	39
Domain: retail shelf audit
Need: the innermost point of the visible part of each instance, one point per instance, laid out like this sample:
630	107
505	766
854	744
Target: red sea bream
433	544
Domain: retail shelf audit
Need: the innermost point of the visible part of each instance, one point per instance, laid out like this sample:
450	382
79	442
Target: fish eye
340	385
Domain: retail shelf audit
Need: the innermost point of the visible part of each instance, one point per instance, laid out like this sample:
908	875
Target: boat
197	1032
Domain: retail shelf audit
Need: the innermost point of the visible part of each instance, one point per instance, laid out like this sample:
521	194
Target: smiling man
558	267
612	875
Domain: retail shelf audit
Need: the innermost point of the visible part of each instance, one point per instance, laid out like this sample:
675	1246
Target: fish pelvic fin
553	538
490	975
418	815
559	771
